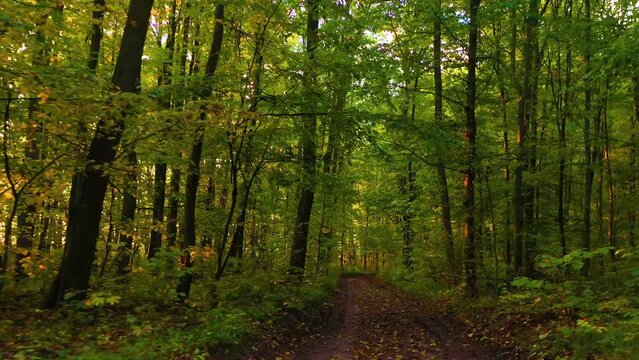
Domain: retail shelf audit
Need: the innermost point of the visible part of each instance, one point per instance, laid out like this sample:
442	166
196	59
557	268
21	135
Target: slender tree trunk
99	7
109	238
127	216
174	203
159	181
297	260
8	226
632	235
43	243
589	173
612	242
159	195
504	100
209	204
408	216
407	182
531	205
471	152
444	200
89	186
523	196
563	113
193	172
176	172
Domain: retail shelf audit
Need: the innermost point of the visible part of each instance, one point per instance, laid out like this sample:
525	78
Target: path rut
372	320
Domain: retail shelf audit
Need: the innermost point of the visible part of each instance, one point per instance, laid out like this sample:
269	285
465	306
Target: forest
357	179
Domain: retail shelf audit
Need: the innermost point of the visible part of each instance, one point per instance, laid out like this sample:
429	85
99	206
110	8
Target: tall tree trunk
297	260
209	204
127	215
174	203
407	218
89	186
531	207
176	172
471	152
193	172
589	173
159	195
612	242
159	181
99	7
563	112
633	163
43	243
523	195
407	183
325	235
444	200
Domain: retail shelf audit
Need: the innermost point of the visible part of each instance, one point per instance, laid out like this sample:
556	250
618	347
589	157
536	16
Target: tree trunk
523	195
471	155
444	200
159	182
174	203
632	235
159	194
89	186
99	7
209	204
612	242
193	172
297	260
43	243
589	173
127	216
563	113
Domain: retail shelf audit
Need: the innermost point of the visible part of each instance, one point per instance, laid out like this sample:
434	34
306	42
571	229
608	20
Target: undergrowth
559	314
138	316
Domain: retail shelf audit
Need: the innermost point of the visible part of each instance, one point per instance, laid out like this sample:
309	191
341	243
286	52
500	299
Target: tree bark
89	186
444	199
632	217
127	215
612	241
159	181
471	152
174	203
99	7
589	173
193	172
563	111
523	194
297	260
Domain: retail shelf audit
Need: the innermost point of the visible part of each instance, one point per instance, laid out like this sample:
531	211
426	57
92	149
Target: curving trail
373	321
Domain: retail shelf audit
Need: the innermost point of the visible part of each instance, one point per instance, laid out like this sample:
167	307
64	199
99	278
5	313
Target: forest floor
370	319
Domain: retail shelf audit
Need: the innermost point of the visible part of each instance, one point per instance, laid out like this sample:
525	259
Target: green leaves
102	298
527	283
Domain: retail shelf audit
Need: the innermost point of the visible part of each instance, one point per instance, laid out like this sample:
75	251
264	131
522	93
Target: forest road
372	320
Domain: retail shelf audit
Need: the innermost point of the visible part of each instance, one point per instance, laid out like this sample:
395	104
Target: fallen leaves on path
372	320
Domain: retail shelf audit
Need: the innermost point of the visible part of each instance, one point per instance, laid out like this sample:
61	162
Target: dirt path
374	321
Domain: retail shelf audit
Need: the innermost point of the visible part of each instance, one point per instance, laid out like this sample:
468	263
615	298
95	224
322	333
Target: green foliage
102	298
359	88
588	318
